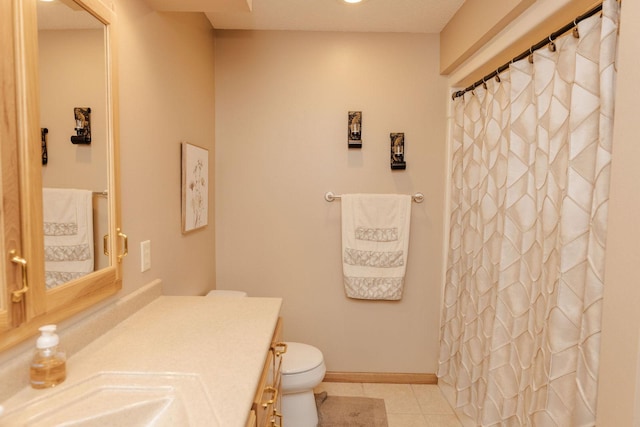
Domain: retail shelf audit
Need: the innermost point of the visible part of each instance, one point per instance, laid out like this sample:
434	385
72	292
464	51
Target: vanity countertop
224	341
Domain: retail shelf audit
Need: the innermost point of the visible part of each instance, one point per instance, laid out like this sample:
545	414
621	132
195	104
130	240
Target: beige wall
620	356
618	393
166	73
522	32
472	26
281	127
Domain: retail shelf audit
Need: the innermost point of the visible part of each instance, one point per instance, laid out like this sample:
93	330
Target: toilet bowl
302	369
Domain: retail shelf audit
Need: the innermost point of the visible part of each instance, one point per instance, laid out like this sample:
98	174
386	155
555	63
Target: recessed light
352	1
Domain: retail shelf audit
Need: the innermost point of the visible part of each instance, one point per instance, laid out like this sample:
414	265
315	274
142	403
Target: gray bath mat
341	411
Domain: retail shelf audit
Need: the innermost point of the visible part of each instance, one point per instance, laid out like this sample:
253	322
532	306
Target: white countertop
224	341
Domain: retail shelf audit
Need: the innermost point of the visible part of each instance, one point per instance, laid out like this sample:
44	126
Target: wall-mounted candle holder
397	151
83	126
355	129
43	139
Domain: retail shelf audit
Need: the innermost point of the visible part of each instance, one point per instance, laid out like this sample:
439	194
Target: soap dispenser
48	367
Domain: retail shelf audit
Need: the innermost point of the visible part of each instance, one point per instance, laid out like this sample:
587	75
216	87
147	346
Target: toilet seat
301	358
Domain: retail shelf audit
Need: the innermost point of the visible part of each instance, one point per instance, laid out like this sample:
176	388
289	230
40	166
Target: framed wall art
195	187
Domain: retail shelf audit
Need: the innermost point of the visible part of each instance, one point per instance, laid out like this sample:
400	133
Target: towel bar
330	197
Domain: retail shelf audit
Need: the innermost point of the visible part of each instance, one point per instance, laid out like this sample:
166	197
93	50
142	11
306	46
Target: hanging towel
375	243
68	234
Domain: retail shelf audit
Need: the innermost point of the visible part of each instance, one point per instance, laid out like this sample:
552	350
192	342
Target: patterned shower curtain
520	333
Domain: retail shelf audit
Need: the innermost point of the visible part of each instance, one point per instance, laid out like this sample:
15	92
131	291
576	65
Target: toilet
302	369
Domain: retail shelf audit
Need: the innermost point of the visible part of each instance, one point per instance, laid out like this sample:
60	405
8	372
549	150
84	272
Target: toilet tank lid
226	293
300	358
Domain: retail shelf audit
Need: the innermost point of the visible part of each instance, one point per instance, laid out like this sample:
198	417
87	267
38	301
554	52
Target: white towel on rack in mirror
375	244
68	234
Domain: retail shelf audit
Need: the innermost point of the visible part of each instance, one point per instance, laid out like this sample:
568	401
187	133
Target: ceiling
413	16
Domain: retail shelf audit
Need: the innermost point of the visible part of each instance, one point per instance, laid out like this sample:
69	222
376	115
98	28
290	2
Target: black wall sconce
43	139
83	126
355	129
397	151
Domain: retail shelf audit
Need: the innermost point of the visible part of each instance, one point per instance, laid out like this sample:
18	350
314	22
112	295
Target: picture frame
195	187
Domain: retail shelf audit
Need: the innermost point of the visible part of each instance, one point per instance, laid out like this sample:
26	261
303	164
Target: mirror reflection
73	101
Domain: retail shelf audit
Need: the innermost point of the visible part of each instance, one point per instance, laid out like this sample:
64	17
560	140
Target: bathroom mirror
63	61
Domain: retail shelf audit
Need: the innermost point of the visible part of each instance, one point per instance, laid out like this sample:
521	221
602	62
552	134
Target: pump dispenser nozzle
48	367
48	337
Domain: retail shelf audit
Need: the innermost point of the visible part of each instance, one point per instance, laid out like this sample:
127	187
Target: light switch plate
145	255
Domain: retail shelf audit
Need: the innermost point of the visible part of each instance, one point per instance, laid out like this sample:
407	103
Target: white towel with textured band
375	244
68	234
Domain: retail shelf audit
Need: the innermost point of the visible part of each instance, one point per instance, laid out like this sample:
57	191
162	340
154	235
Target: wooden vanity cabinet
265	411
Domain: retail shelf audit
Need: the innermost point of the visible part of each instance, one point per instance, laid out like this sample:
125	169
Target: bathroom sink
119	399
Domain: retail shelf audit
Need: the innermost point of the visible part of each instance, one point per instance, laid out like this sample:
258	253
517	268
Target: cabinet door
278	348
8	159
267	401
266	395
14	131
9	232
21	212
11	314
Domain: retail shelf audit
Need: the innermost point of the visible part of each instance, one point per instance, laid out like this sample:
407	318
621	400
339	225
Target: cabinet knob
270	389
278	415
279	348
125	242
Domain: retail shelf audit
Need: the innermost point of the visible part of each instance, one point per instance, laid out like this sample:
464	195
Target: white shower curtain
520	333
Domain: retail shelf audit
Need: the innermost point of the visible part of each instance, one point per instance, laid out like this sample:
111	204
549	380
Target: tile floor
408	405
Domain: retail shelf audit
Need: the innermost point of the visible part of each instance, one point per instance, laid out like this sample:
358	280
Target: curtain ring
531	55
484	84
576	33
498	75
552	45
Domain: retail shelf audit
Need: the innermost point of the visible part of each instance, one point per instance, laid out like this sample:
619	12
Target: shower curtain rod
539	45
